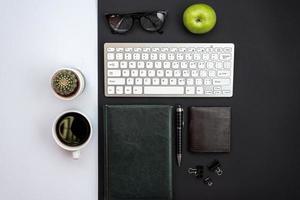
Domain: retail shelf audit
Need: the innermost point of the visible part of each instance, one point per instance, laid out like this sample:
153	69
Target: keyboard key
183	65
201	49
110	56
110	49
110	90
201	65
160	73
227	65
143	73
211	73
219	65
227	92
137	90
138	81
210	65
113	64
153	56
157	65
128	49
193	65
167	65
208	92
149	65
151	73
195	73
225	56
171	56
203	73
119	90
125	72
147	81
119	56
181	81
175	65
129	81
145	56
205	56
227	49
155	81
164	81
113	73
163	90
162	56
128	90
221	81
169	73
132	65
119	49
140	65
128	56
188	56
136	56
190	81
123	64
223	73
137	49
177	73
207	81
179	56
173	81
134	73
190	90
199	90
197	56
186	73
199	81
116	81
214	56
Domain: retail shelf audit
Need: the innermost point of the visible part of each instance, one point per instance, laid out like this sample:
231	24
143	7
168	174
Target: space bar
163	90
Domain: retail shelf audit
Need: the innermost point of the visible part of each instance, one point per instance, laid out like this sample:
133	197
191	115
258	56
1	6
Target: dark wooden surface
264	158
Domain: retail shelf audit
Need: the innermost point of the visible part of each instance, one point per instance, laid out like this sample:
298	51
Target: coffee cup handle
76	154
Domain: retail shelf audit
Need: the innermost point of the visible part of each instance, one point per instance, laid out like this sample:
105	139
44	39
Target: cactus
65	83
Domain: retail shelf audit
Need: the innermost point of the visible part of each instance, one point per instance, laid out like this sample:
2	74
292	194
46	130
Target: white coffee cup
80	79
74	149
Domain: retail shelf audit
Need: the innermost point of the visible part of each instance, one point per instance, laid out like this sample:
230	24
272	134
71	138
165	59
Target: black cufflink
208	181
198	172
215	166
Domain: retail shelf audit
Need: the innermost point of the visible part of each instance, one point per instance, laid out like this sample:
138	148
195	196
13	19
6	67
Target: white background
36	38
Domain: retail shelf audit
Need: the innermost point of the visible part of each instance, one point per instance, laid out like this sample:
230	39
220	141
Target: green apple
199	18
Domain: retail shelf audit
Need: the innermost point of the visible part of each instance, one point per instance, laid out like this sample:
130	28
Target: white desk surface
36	38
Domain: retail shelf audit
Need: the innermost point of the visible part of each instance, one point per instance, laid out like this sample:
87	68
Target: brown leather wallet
209	129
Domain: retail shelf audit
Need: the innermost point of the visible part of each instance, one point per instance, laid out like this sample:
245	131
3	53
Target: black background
264	158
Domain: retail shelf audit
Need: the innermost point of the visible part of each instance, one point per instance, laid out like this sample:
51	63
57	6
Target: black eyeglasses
149	21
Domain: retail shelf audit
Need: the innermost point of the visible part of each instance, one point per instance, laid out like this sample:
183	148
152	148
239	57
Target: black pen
179	129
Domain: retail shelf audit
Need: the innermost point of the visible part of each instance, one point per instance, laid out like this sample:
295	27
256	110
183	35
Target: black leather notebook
138	152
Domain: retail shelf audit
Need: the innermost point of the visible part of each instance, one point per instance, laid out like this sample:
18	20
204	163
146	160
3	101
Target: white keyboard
168	69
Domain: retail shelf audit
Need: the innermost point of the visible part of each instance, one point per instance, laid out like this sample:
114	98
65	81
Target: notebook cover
138	152
209	129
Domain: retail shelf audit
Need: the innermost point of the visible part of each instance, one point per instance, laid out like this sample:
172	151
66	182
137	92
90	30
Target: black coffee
73	129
